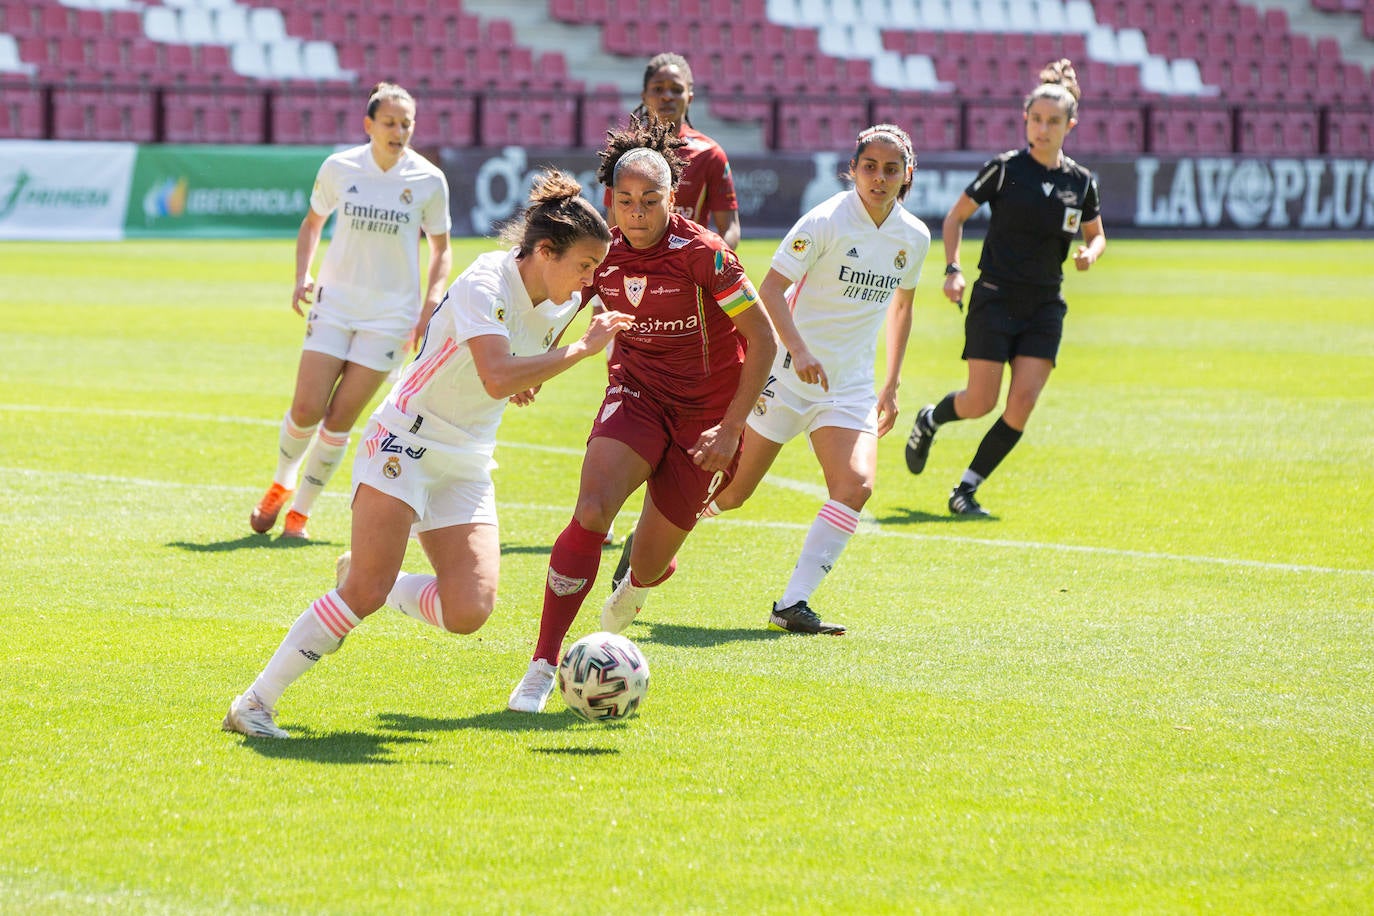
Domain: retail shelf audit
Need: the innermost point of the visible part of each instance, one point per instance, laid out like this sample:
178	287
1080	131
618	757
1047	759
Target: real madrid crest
899	262
392	469
634	289
406	196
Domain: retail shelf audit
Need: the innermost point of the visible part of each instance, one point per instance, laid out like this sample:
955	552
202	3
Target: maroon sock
573	564
672	568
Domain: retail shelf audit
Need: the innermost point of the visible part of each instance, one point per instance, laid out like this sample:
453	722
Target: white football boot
622	607
248	716
534	688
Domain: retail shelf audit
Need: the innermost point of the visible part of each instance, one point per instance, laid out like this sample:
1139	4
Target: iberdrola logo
165	198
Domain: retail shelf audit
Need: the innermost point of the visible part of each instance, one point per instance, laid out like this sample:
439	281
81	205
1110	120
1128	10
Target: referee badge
392	469
1072	217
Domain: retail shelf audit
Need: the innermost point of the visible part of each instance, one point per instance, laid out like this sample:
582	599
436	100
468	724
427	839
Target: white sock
317	632
825	540
972	479
292	441
417	595
320	464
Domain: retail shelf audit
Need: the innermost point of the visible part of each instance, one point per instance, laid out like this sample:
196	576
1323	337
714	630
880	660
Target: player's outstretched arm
504	375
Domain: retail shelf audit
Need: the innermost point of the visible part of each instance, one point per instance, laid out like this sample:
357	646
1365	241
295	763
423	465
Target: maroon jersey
706	184
683	350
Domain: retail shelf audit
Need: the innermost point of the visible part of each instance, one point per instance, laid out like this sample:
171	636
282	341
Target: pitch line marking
871	528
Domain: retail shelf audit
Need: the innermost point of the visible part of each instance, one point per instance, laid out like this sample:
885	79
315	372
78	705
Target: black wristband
952	268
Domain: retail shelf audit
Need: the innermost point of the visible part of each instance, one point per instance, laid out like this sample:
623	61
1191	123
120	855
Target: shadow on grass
502	721
920	516
508	549
250	540
506	721
330	747
576	751
676	634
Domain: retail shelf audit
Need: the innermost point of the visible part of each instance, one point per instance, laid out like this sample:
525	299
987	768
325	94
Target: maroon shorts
677	486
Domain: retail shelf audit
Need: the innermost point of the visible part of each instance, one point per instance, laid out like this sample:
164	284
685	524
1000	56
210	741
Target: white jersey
372	265
844	271
439	401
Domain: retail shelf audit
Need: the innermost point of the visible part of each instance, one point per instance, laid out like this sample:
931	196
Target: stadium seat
320	61
162	24
1190	131
21	112
934	127
231	25
10	61
197	26
602	110
266	24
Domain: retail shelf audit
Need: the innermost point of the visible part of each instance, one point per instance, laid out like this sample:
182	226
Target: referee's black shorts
1007	320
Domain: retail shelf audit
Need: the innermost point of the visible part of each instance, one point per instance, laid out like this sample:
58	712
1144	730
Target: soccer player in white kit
367	307
425	464
846	268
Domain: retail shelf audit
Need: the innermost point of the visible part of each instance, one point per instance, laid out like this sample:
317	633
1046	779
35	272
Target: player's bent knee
465	620
364	597
855	495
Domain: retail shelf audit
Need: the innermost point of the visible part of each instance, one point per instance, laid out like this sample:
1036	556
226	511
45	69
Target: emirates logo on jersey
634	289
406	196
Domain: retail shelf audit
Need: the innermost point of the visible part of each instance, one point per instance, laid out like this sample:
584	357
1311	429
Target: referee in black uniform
1040	199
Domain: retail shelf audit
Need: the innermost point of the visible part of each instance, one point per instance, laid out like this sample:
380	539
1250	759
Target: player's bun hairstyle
657	63
888	133
642	133
1058	81
557	215
387	92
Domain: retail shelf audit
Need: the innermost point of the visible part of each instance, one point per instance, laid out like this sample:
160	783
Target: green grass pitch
1144	687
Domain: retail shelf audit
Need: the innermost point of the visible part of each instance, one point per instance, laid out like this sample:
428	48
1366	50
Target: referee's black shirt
1036	212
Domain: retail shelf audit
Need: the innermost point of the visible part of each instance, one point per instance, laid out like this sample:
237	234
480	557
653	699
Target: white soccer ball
603	676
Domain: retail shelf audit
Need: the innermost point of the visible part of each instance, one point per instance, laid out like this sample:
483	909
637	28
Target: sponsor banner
1254	195
1144	195
64	191
221	191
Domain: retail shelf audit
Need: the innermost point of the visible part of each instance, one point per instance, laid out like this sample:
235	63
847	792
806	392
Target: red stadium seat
933	126
21	112
602	110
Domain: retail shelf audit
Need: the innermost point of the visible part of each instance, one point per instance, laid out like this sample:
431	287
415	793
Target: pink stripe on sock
332	617
329	438
839	517
429	603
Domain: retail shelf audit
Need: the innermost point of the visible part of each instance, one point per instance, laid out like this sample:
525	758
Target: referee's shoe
918	443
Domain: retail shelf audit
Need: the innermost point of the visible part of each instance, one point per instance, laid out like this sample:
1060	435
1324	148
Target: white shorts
444	488
379	350
782	413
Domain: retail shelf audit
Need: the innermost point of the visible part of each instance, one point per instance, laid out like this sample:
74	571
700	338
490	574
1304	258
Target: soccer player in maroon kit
684	377
706	189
